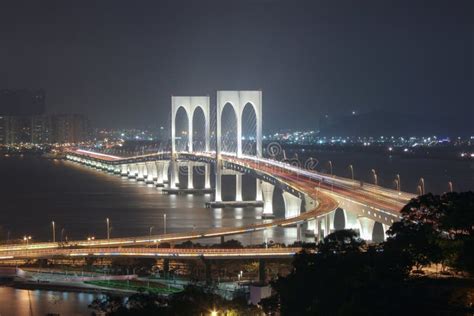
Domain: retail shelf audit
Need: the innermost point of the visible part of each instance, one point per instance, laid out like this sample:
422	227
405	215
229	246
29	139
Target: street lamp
27	239
151	228
330	167
375	176
164	222
422	186
54	231
108	228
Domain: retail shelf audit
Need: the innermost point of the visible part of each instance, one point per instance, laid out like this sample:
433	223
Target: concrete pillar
238	187
133	172
218	193
267	192
298	232
310	204
327	225
366	228
292	205
190	176
174	181
141	172
351	221
117	169
258	190
150	172
207	176
385	228
319	229
165	170
159	173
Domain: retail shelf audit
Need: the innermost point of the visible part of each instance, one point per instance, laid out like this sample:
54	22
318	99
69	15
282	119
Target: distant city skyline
311	58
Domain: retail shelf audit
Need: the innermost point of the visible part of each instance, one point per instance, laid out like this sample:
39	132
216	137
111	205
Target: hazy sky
120	61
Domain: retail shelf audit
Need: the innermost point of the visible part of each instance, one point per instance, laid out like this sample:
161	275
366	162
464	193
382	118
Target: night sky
120	61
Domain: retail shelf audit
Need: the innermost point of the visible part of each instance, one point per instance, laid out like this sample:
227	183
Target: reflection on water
34	302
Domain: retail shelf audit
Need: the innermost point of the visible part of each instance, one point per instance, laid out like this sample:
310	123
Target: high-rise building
3	130
69	128
15	129
17	106
41	129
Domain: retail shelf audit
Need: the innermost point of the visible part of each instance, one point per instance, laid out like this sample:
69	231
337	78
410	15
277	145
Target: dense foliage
192	301
345	276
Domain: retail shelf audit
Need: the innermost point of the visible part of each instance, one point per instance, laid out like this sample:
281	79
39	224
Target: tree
107	304
436	229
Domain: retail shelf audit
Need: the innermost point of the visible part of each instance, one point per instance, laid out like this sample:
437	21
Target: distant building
41	129
69	128
3	136
22	102
15	129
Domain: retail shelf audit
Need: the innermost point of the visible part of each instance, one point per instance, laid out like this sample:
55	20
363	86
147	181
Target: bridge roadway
324	189
152	252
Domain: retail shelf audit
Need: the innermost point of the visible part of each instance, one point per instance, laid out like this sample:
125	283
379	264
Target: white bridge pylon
190	105
238	100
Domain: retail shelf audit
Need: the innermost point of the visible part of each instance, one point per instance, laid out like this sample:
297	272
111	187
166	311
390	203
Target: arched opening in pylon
199	133
181	123
249	130
229	129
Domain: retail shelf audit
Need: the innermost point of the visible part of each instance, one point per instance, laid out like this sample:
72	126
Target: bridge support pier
267	192
117	169
258	188
151	172
207	176
159	173
310	204
124	170
350	219
238	187
190	176
366	228
132	171
165	171
322	227
218	193
327	225
174	181
298	232
141	172
292	205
